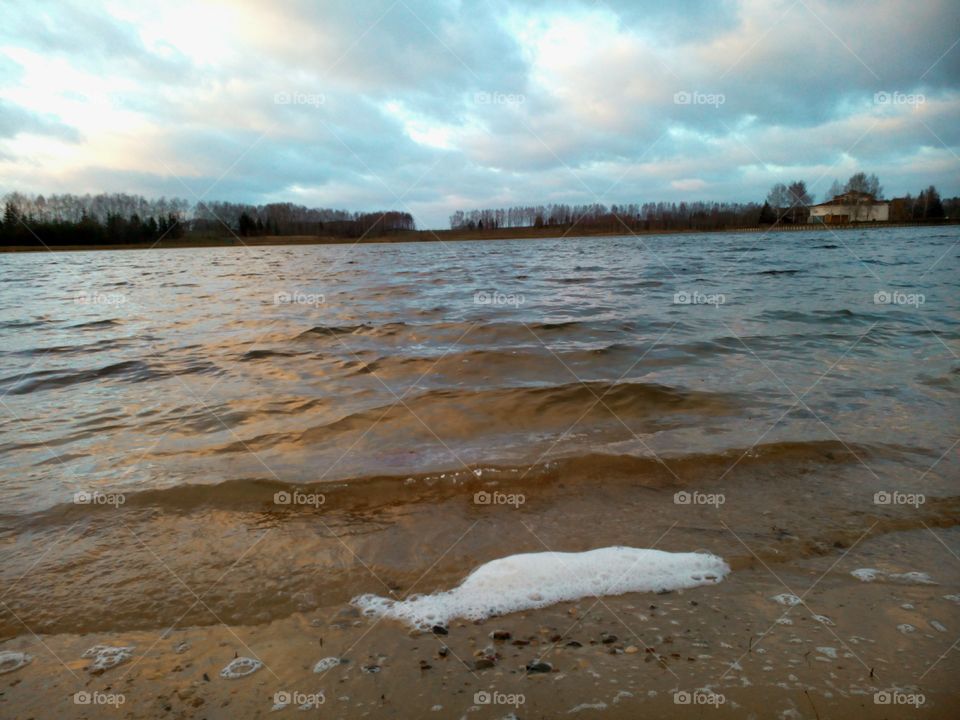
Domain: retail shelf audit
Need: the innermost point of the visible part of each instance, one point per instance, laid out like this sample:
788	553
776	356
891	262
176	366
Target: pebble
539	666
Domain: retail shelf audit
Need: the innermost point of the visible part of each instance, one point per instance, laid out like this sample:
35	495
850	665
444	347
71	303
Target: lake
277	430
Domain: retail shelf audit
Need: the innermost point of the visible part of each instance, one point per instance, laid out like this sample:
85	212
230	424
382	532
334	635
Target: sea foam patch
107	656
11	660
536	580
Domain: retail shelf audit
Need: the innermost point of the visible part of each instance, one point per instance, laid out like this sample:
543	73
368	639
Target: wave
666	472
466	414
266	355
361	329
132	371
819	317
81	349
21	324
95	324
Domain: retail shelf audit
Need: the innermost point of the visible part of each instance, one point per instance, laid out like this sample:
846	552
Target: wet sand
615	657
734	645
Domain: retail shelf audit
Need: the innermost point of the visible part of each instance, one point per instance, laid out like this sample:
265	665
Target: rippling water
149	374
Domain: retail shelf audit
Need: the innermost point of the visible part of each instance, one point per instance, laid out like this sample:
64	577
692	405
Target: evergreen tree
766	215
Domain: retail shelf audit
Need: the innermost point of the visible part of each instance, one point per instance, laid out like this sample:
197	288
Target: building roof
852	197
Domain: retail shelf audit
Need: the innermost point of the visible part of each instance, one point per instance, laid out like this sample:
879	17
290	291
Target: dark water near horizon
596	377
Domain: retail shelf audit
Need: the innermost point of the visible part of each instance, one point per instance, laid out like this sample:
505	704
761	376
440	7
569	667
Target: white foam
106	656
326	664
907	578
240	667
912	578
11	660
788	599
536	580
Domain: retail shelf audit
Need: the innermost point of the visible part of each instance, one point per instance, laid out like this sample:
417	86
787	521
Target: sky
430	106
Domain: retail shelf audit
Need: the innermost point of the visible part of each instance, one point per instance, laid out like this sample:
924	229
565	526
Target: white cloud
504	102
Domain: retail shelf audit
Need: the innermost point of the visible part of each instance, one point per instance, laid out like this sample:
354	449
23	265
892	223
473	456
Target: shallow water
403	379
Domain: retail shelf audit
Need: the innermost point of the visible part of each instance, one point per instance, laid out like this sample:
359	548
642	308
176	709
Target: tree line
786	203
597	216
120	218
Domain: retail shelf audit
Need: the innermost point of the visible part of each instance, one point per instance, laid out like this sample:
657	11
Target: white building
852	206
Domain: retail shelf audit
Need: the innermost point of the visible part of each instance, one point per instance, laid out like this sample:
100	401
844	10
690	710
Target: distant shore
513	233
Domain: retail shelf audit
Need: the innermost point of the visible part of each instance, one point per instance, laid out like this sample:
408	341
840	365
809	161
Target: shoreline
418	236
732	645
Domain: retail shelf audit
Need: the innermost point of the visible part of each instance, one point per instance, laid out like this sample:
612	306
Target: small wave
361	329
842	316
82	349
95	324
131	370
389	490
21	324
777	272
265	355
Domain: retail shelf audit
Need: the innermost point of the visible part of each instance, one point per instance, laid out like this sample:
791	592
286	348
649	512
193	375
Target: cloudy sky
433	105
